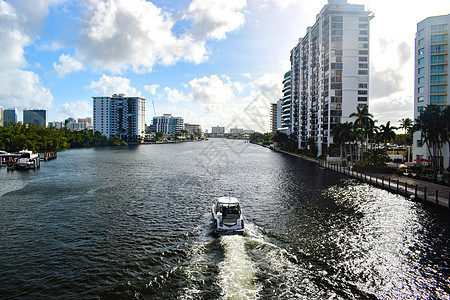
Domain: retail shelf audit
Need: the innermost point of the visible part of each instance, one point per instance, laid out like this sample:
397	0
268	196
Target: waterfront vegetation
16	137
366	146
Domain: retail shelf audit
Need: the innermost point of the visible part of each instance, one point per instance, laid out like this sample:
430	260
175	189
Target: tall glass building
330	72
35	116
120	115
431	79
10	116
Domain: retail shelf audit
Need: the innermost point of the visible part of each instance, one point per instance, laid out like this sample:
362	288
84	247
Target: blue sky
213	62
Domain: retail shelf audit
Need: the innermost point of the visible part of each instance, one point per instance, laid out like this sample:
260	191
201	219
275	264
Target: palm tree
432	124
386	133
337	140
364	119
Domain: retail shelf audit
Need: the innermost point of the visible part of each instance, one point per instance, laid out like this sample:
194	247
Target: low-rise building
167	124
194	130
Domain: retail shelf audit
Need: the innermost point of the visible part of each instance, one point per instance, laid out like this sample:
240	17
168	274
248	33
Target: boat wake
237	272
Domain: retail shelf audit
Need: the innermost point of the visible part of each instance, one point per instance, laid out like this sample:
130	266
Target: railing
412	191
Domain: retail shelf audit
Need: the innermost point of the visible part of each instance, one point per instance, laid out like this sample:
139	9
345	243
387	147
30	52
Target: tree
432	124
364	120
386	133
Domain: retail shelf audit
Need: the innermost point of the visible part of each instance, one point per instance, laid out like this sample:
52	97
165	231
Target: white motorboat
27	160
227	216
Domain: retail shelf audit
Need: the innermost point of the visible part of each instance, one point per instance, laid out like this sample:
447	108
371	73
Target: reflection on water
135	223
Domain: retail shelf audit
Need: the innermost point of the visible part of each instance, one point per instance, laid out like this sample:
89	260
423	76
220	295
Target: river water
135	223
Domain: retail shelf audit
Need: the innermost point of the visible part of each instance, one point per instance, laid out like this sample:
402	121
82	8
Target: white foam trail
237	272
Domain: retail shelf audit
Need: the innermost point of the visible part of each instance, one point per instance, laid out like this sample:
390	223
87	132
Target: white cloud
175	96
247	75
20	88
399	107
151	88
67	65
209	90
109	85
270	85
77	109
23	89
282	4
215	18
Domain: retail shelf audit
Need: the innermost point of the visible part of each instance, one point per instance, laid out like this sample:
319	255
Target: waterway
134	223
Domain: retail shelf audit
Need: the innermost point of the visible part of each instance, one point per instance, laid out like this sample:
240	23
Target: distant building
275	116
431	79
218	130
57	125
1	116
195	130
167	124
87	121
120	115
236	130
10	116
35	116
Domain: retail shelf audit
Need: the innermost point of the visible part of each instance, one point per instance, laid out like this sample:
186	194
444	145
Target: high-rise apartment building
273	117
35	116
10	116
285	125
1	116
431	79
167	124
120	115
329	72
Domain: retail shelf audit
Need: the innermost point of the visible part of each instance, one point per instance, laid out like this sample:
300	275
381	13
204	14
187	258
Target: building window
362	98
419	109
438	79
421	51
440	28
363	26
438	39
420	90
437	69
421	42
438	99
419	143
438	59
363	58
362	85
363	39
420	99
363	66
362	92
421	70
421	60
363	52
421	80
438	89
436	49
363	72
363	32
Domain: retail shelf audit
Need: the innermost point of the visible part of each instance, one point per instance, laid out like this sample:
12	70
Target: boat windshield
25	155
229	208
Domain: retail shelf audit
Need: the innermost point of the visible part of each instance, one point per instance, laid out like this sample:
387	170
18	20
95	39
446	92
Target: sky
212	62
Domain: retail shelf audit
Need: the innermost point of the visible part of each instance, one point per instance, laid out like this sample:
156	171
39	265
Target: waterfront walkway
409	187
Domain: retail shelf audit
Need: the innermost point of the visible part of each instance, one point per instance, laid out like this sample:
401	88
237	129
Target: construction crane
154	110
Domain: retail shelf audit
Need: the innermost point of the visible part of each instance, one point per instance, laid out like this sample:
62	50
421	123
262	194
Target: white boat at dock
227	216
27	160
